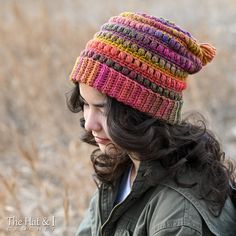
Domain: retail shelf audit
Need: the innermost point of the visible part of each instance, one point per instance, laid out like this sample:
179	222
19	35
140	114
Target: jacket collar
152	173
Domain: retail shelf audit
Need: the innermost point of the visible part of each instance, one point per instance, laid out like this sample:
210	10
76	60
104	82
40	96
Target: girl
156	173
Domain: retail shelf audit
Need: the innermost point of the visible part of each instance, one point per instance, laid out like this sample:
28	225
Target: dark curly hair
179	148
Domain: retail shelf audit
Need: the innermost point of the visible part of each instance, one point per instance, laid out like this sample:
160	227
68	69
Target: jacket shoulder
213	222
170	210
89	224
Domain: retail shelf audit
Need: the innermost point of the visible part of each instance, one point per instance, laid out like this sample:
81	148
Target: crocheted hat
142	61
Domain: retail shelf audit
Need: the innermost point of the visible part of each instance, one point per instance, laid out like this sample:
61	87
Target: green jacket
156	210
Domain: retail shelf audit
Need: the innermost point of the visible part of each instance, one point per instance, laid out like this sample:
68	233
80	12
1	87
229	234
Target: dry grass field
45	171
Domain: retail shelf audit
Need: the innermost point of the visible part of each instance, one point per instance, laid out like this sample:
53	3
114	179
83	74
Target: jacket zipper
116	206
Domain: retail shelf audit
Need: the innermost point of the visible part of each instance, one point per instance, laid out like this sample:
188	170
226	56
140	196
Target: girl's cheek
105	128
85	112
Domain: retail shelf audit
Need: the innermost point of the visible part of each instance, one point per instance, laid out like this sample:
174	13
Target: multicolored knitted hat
142	61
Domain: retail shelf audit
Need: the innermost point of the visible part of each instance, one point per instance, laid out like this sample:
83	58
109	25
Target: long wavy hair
179	148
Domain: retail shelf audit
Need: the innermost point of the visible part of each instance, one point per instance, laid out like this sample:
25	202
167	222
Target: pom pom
208	53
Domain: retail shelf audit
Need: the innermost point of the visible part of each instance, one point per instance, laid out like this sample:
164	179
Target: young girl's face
94	115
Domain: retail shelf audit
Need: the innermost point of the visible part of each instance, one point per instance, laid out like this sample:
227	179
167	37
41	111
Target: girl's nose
92	122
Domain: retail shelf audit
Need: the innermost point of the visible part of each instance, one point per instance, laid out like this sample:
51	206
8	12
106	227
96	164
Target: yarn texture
142	61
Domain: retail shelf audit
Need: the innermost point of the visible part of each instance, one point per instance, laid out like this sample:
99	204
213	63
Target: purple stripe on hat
167	23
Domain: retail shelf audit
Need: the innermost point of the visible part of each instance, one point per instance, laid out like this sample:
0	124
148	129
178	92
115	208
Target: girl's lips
101	140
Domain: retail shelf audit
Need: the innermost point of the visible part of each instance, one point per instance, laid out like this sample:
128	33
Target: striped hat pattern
142	61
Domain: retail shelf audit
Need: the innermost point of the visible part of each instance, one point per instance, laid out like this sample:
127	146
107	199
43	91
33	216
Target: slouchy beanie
143	62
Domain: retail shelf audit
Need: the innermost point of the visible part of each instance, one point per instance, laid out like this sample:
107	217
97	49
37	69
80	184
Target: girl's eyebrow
100	105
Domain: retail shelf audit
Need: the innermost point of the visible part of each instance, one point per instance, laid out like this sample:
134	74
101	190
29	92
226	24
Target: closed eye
98	105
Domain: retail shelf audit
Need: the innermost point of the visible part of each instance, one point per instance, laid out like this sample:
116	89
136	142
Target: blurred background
44	169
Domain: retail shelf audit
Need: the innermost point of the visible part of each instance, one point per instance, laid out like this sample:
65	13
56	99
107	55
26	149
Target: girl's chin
108	149
102	148
105	148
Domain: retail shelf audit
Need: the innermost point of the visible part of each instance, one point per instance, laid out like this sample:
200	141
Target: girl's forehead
90	93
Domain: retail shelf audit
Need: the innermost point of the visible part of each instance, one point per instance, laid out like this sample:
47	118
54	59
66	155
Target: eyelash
99	108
